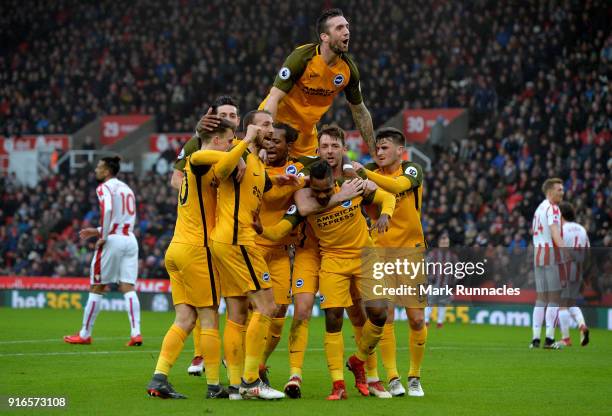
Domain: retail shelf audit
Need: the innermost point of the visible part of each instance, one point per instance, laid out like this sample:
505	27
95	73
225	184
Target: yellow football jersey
311	86
238	200
272	211
197	201
342	231
405	229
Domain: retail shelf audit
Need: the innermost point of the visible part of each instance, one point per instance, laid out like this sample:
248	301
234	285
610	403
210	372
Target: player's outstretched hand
382	225
351	189
357	165
100	243
208	122
256	224
287	180
369	187
87	233
263	155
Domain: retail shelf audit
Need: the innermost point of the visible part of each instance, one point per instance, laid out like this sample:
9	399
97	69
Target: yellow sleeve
206	157
225	166
277	192
386	201
279	231
389	184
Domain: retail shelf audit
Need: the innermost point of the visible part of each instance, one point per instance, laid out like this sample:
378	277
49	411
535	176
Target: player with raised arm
342	232
404	180
224	107
193	275
244	274
115	259
576	246
305	278
547	239
309	80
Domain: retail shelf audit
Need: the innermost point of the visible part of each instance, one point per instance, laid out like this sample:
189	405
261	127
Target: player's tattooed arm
276	95
363	121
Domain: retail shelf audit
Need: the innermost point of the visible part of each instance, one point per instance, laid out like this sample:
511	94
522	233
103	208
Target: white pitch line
61	353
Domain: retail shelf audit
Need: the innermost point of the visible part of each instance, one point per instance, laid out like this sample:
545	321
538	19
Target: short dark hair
395	135
567	211
323	18
291	134
332	130
224	100
321	170
223	126
549	183
250	116
113	163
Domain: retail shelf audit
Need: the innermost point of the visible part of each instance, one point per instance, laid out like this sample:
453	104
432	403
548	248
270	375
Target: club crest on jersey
346	204
299	283
265	277
412	171
291	170
284	73
338	80
292	209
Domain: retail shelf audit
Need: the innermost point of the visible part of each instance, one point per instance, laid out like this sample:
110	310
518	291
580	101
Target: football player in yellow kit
309	80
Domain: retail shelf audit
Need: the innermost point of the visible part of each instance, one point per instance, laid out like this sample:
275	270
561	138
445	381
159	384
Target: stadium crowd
536	77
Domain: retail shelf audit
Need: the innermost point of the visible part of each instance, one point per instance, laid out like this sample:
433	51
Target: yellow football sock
417	341
197	348
212	354
256	339
372	361
388	348
370	335
334	351
298	339
234	350
171	348
276	330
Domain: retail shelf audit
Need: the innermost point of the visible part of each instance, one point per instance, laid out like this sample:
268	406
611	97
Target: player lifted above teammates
116	257
195	281
404	180
309	80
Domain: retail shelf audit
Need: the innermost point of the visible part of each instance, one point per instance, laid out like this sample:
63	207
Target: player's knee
97	289
302	313
378	316
267	309
416	322
333	319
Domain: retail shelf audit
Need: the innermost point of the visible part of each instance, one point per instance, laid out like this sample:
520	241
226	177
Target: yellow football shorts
306	266
336	277
242	269
279	265
193	278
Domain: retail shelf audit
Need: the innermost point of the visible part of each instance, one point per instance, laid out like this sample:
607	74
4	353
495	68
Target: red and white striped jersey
575	236
546	215
117	208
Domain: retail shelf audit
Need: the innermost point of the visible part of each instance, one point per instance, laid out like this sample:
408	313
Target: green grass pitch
468	370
